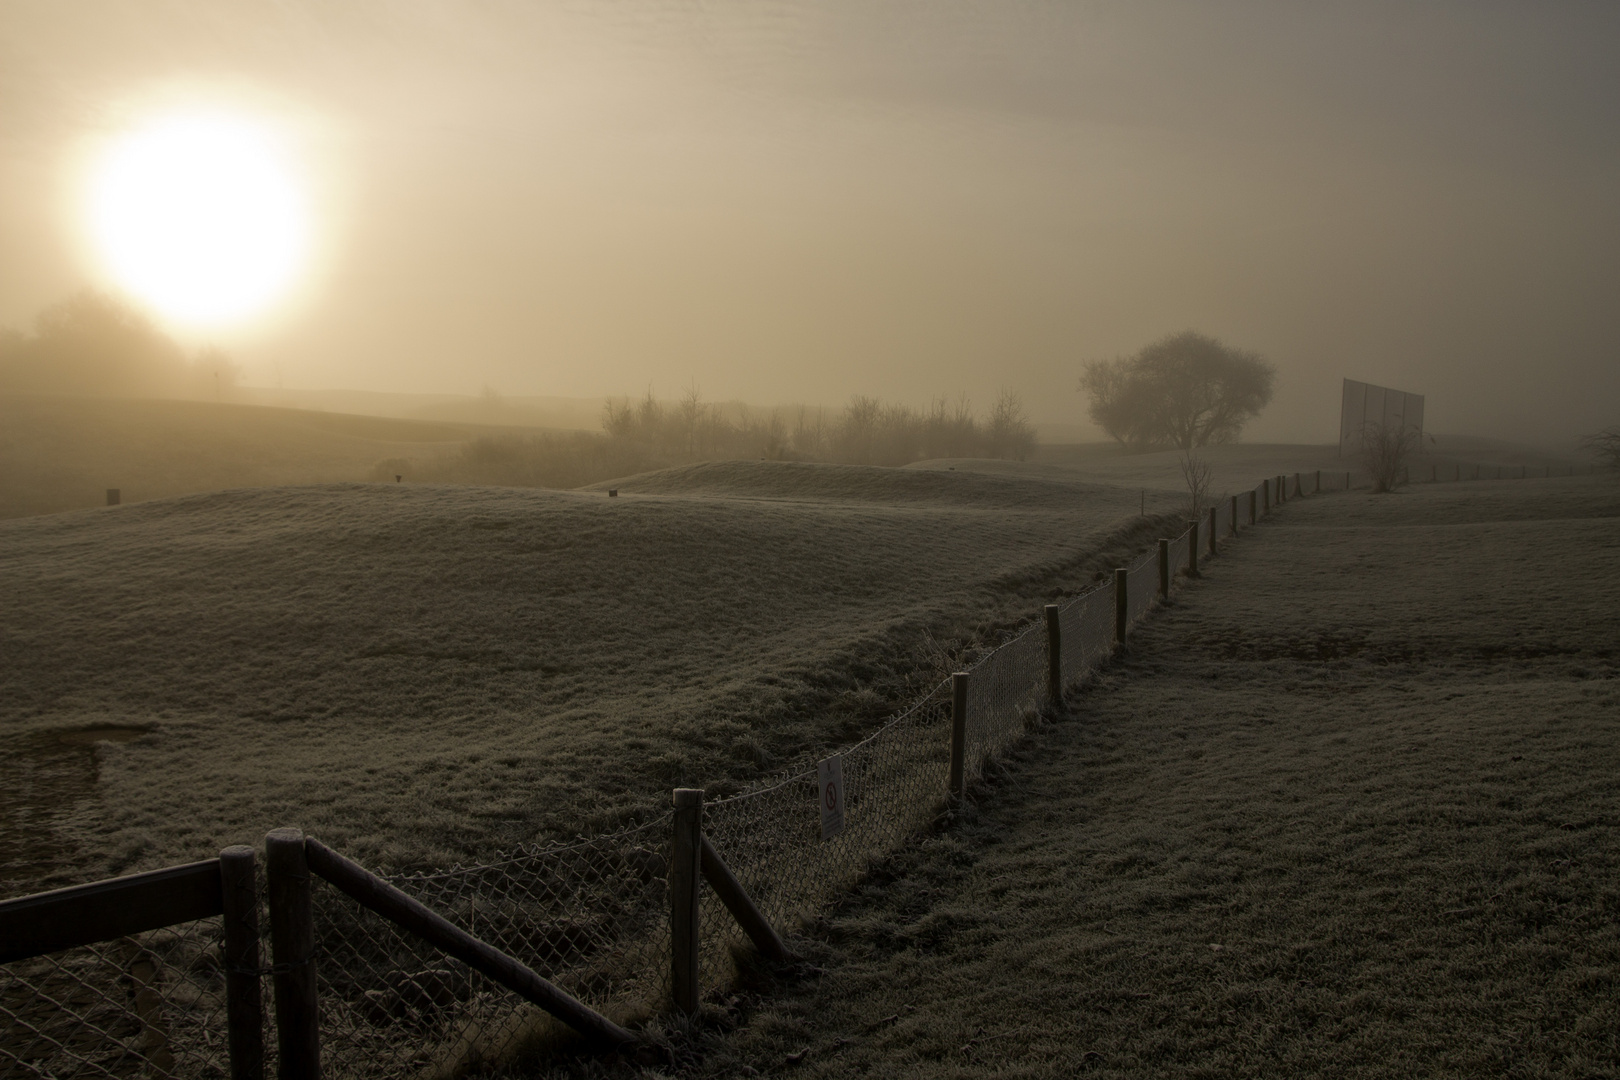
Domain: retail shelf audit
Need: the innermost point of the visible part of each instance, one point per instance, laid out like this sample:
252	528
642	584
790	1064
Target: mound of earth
424	673
1008	486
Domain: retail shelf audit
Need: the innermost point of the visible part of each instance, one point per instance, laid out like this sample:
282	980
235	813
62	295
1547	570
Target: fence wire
591	915
1086	625
1142	585
1178	556
894	788
1005	690
152	1004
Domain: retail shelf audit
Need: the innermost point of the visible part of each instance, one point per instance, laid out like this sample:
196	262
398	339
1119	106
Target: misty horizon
801	204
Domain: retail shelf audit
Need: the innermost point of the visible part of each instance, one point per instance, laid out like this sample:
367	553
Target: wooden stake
685	875
1192	548
244	997
1251	507
292	946
1214	523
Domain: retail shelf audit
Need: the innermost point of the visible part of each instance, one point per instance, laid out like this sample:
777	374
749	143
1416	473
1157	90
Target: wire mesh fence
1178	554
1005	691
152	1004
591	916
894	788
1086	627
1142	585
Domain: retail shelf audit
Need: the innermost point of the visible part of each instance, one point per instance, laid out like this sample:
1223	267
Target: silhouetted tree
1184	391
92	343
1605	446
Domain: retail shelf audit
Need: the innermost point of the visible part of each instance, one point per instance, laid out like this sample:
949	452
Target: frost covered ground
1348	807
422	675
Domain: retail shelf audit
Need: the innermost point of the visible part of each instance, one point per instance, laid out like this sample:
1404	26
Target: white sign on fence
830	779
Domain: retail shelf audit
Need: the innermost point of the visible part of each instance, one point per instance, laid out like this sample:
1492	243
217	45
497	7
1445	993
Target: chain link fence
591	916
152	1004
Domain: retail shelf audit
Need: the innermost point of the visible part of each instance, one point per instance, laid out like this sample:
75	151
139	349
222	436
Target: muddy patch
46	779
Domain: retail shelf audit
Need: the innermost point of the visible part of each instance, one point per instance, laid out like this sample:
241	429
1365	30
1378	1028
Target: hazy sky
798	202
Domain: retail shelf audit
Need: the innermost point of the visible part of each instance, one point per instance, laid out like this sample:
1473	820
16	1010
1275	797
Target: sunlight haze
792	202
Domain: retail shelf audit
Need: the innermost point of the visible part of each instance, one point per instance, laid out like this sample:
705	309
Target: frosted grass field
423	675
1345	808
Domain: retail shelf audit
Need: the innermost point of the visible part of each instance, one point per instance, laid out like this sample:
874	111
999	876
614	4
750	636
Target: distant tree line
1185	391
647	434
95	344
866	432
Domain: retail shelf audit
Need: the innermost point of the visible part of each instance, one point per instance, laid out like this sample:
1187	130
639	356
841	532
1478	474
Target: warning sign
830	777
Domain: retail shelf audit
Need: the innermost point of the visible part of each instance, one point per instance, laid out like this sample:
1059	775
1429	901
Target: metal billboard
1366	404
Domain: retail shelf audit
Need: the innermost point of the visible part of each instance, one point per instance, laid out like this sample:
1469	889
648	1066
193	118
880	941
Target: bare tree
690	411
1385	451
1184	391
1011	433
1198	475
1605	446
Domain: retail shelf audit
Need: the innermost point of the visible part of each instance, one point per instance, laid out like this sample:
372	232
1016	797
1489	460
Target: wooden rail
103	910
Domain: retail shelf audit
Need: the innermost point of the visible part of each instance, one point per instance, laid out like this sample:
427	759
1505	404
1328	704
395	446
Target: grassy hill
61	454
423	673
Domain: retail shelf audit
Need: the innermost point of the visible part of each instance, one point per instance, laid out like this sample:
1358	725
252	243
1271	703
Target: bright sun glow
201	215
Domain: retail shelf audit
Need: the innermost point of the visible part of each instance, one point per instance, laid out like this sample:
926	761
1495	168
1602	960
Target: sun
201	214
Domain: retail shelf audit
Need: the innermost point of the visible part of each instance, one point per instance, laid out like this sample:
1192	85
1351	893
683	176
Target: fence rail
436	974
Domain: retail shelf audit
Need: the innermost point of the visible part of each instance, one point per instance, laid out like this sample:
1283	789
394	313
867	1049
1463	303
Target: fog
804	202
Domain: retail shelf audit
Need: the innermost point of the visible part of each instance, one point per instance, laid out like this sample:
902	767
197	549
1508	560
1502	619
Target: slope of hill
59	453
422	673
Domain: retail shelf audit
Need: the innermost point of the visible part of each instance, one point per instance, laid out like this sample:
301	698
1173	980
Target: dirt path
1348	807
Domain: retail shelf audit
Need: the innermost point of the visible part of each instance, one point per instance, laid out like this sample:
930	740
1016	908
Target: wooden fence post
1164	568
1122	604
292	946
1265	491
1318	490
1054	656
1347	480
1214	523
244	997
1192	548
685	873
1251	506
959	710
1234	515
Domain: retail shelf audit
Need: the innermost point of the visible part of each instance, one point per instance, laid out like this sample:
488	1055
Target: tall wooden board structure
1366	404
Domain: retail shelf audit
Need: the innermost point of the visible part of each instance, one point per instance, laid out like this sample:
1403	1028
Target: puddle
46	778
